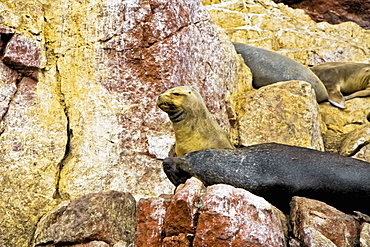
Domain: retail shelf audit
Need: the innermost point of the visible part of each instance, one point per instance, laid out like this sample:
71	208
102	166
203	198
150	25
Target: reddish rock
106	217
334	12
22	53
235	217
315	223
182	212
182	240
149	221
26	92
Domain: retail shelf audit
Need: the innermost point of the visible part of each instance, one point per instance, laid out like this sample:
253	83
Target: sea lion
195	127
268	67
278	172
341	77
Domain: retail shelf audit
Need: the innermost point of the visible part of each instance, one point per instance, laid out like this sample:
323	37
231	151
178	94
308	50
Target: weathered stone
92	244
355	140
182	212
318	224
235	217
149	221
22	53
182	240
32	143
365	235
340	123
118	78
334	12
105	216
8	87
284	112
277	172
290	32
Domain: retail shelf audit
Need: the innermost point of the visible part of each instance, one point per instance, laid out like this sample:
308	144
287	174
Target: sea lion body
278	172
341	77
195	127
268	67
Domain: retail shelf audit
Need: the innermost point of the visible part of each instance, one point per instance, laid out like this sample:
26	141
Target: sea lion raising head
195	127
344	77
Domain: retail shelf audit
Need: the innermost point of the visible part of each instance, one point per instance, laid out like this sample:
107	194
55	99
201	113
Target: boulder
149	221
104	218
230	216
315	223
284	112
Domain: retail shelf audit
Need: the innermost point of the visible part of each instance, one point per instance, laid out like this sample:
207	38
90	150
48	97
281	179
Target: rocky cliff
79	79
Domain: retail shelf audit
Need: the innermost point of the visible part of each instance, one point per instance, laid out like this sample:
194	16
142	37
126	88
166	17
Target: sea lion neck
177	116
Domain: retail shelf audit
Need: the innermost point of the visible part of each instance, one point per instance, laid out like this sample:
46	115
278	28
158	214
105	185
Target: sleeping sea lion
341	77
278	172
268	67
195	127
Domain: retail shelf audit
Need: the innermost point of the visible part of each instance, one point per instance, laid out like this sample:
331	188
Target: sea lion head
180	103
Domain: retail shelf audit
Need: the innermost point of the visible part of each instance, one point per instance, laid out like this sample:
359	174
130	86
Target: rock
106	216
365	235
92	244
182	240
318	224
21	52
334	12
355	141
90	123
149	221
181	215
284	112
235	217
290	32
119	77
340	123
8	87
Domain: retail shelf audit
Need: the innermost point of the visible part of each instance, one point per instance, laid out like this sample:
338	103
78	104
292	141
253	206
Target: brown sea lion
268	67
195	127
349	78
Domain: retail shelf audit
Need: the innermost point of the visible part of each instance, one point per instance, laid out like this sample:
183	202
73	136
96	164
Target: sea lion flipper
335	96
362	93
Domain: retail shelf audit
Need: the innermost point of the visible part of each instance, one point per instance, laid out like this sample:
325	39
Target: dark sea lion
278	172
268	67
195	127
341	77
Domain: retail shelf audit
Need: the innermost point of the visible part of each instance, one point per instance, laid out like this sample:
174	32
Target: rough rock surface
235	217
284	112
365	235
78	107
149	221
84	120
318	224
290	32
334	12
219	215
106	217
347	129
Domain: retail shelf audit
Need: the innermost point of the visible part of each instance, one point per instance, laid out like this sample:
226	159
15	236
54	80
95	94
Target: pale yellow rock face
284	112
290	32
90	123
